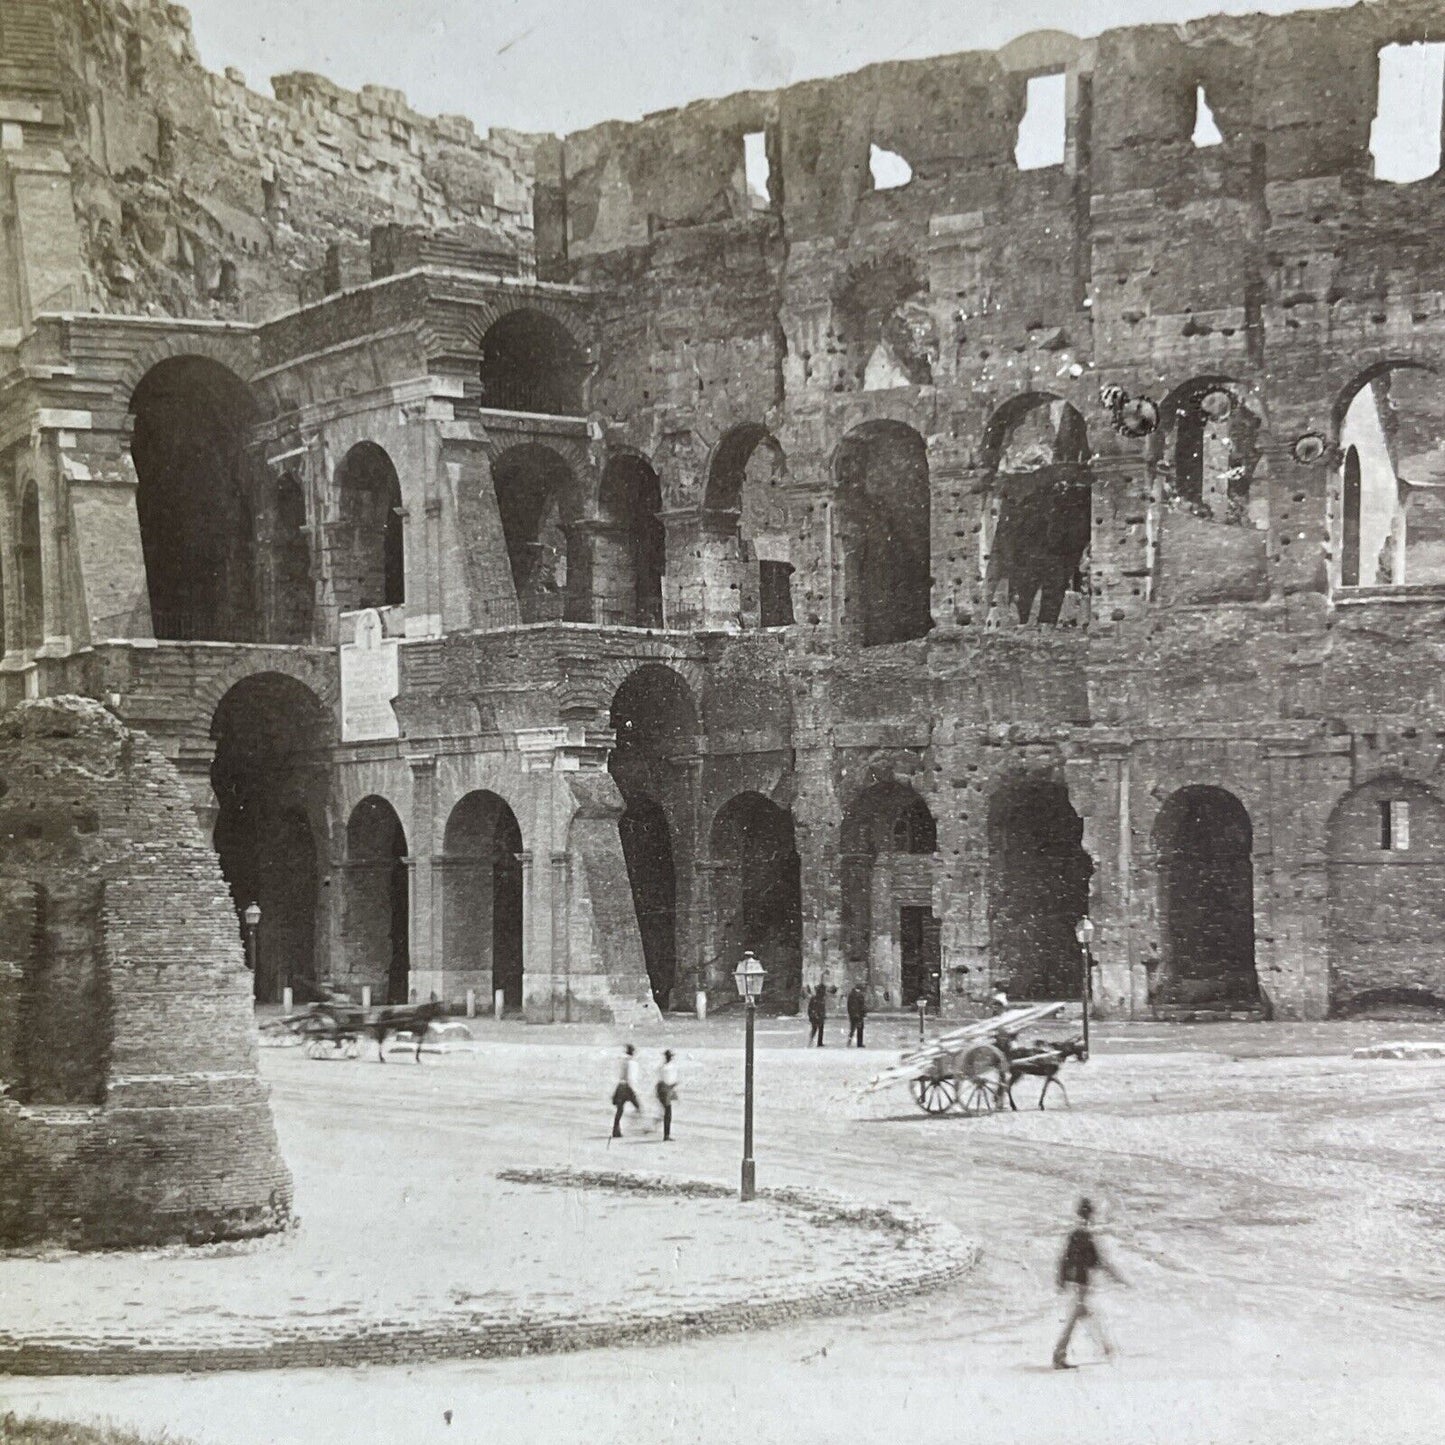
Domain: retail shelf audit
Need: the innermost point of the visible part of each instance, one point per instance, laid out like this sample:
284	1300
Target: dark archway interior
631	554
482	901
880	309
271	733
1350	552
647	848
530	363
1206	900
1042	490
290	563
758	894
536	501
1038	890
193	500
32	576
656	726
377	921
884	499
887	817
368	551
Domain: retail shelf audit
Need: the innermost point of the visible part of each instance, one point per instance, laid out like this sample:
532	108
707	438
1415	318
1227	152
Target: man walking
626	1091
1081	1257
667	1092
857	1012
817	1014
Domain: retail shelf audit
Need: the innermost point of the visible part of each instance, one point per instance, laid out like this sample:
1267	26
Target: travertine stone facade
879	578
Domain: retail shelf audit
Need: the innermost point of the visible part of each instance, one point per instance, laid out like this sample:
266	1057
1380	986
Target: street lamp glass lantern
748	976
1084	931
252	914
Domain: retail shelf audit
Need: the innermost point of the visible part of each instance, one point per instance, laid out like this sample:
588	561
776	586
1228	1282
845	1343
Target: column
561	956
427	961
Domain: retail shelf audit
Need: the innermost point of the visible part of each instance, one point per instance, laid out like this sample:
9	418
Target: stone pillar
1121	549
192	760
1099	791
427	961
561	953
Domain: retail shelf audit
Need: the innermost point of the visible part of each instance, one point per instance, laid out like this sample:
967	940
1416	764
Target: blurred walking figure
817	1014
667	1092
626	1091
857	1012
1080	1259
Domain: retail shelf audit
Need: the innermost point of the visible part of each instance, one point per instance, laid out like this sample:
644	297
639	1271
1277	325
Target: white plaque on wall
369	682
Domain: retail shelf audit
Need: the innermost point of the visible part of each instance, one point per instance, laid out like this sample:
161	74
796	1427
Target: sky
561	65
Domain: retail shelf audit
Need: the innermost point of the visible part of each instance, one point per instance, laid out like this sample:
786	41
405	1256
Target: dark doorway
531	363
482	898
537	503
269	775
377	916
918	933
368	547
647	847
291	563
1038	889
630	553
1206	900
757	894
193	500
32	573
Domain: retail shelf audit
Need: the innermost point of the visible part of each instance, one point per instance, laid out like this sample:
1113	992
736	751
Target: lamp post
749	978
1084	932
250	920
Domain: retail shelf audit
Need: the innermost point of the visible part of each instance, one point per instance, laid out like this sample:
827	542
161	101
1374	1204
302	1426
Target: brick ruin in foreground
555	565
132	1112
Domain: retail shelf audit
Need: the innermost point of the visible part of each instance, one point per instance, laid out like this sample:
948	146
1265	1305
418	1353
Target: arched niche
376	916
482	902
531	363
629	555
538	504
368	560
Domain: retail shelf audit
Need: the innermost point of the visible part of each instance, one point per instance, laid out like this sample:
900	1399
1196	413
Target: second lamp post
1084	932
748	976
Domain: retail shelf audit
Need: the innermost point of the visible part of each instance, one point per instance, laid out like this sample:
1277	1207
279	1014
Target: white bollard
471	1003
701	1004
497	1001
366	995
288	1000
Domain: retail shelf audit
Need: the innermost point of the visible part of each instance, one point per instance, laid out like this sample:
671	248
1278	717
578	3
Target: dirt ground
1275	1205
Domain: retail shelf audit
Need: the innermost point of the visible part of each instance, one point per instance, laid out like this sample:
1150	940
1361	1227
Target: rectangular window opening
1206	128
1405	135
757	172
1395	825
1043	131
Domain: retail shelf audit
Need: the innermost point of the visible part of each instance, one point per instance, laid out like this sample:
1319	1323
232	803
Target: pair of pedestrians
628	1083
818	1014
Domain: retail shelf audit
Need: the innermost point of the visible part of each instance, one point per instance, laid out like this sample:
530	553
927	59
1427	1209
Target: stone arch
482	899
30	571
1037	527
1386	893
532	363
539	502
1388	478
238	355
269	776
195	499
655	716
1206	446
368	553
1038	887
744	523
884	521
629	555
1203	843
314	672
887	843
376	907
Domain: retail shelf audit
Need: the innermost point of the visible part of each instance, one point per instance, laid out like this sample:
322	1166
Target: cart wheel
986	1070
1054	1082
979	1097
934	1095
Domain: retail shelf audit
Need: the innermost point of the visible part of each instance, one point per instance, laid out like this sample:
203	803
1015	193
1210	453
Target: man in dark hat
1077	1264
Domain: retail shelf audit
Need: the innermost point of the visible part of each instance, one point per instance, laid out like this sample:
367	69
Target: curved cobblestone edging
911	1252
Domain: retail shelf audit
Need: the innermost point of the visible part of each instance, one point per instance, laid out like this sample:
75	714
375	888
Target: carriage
334	1029
973	1068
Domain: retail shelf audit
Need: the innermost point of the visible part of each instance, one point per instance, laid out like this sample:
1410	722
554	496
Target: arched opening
291	562
482	899
747	546
1386	914
537	502
1038	889
31	571
1039	518
531	363
1391	424
630	553
193	500
368	548
656	724
889	931
376	923
647	849
757	894
1208	448
1204	843
269	776
887	336
883	528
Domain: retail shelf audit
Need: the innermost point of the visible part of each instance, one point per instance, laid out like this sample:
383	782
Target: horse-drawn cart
334	1030
974	1068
